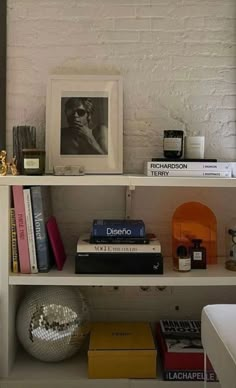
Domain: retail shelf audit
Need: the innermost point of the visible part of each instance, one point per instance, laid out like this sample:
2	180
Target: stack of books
181	351
182	168
36	243
118	247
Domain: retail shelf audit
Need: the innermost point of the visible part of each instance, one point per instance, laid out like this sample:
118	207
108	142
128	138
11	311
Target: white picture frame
72	99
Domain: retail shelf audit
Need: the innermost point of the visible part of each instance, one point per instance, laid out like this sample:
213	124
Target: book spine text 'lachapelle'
14	247
30	230
189	375
118	228
183	166
41	206
190	173
23	247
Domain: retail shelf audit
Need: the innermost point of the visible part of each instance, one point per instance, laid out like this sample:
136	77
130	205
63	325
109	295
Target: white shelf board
142	180
214	275
72	373
52	180
116	180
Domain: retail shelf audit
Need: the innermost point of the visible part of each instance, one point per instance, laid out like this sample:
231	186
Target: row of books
35	238
181	168
118	247
181	350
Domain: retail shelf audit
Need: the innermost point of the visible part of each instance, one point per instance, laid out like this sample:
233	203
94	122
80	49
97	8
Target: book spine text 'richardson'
182	166
21	229
189	173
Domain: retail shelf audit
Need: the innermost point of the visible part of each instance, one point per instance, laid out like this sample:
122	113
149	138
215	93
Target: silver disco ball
52	322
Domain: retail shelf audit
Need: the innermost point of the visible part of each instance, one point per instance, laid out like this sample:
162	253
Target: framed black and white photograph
84	123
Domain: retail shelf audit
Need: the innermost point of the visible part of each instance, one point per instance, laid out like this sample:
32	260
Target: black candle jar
33	161
173	143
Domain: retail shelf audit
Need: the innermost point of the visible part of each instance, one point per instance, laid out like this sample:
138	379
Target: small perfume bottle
184	260
198	255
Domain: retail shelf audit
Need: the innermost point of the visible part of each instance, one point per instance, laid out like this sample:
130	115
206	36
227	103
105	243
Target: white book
183	166
84	246
30	231
189	173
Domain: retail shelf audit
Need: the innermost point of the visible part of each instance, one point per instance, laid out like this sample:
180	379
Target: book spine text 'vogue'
119	248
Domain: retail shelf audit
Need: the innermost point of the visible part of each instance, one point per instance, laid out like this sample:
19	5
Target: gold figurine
13	166
4	165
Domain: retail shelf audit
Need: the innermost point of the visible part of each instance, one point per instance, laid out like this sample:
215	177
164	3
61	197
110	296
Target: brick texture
177	58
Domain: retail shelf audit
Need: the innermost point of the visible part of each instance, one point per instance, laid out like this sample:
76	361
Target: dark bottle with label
198	255
173	144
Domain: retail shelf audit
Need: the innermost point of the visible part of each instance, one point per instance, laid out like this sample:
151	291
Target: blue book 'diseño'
118	228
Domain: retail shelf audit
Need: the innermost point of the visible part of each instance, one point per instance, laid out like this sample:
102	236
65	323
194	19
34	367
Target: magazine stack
181	350
118	247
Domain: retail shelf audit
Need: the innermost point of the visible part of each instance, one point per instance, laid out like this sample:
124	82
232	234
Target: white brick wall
177	57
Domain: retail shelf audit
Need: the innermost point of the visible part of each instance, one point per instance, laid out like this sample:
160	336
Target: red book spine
21	229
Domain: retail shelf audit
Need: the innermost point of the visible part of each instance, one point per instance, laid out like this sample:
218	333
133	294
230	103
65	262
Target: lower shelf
28	372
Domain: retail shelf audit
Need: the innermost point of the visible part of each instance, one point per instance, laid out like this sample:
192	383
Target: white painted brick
167	23
120	36
224	115
229	102
205	74
177	58
206	101
203	61
209	23
206	10
153	11
132	24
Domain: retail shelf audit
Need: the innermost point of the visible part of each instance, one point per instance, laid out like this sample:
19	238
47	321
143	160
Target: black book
118	240
119	263
183	160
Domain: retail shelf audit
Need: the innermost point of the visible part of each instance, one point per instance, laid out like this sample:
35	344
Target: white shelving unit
14	366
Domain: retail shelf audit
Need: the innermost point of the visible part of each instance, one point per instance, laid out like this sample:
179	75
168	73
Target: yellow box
121	350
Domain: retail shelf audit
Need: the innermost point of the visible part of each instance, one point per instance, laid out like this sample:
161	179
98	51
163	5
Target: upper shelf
115	180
